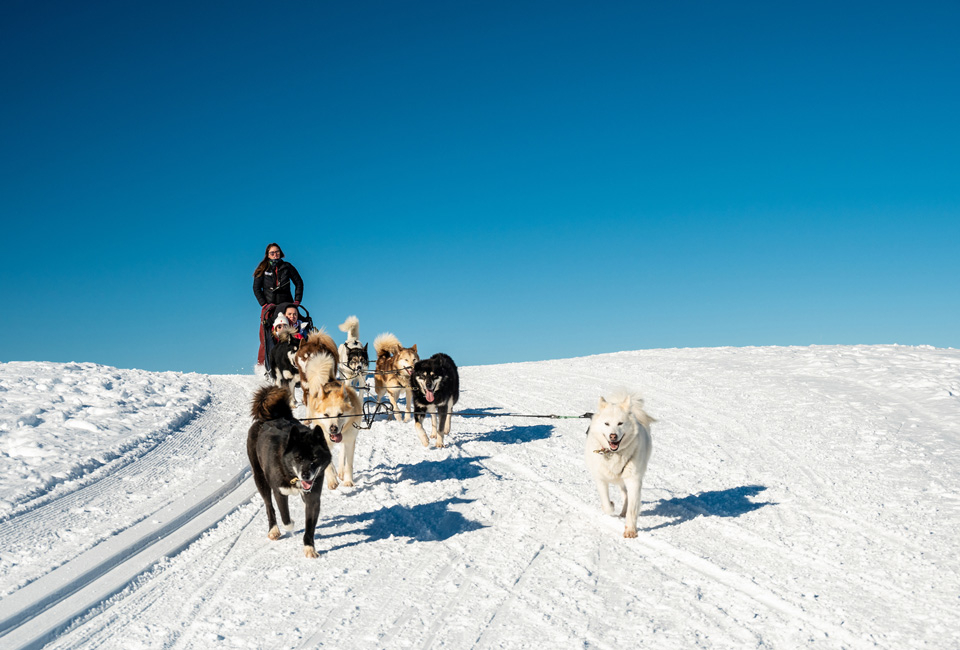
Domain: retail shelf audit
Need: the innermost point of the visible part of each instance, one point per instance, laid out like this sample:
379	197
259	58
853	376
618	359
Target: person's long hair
266	259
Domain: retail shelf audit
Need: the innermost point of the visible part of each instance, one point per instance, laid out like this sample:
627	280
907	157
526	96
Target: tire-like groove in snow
67	593
33	615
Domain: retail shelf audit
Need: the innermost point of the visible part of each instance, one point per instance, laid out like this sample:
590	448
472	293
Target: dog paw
630	533
310	552
332	484
274	534
288	527
347	483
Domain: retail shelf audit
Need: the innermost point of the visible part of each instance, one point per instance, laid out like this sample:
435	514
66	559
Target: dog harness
606	452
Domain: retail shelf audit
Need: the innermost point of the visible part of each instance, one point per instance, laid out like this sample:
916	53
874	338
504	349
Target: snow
801	496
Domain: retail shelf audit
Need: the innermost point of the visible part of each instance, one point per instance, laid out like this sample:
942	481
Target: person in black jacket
271	286
272	278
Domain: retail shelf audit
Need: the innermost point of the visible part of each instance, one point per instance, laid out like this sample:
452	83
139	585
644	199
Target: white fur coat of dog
617	450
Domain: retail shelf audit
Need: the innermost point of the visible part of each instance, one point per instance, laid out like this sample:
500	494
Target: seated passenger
291	318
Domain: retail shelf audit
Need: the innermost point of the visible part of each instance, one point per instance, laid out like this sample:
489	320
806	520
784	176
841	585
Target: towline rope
371	409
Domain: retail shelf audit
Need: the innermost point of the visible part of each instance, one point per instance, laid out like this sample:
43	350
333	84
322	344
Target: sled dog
340	409
617	450
283	367
354	360
317	342
394	369
436	388
287	458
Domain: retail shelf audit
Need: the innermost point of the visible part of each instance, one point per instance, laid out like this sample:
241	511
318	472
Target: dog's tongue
429	395
336	437
614	444
306	485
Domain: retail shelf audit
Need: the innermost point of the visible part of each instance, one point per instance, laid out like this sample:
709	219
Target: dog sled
267	315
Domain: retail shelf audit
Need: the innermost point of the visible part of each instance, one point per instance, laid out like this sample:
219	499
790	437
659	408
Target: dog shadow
716	503
428	471
483	411
425	522
517	434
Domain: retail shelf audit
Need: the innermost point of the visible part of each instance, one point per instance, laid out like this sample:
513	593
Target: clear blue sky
502	181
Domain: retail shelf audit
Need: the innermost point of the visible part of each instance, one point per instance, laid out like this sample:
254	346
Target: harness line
371	409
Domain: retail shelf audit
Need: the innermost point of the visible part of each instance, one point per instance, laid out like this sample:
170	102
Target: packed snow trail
796	496
159	499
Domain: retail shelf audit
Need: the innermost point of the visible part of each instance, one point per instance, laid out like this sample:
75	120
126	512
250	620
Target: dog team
287	456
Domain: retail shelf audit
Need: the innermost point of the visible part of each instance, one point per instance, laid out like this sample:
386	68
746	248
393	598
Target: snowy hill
795	497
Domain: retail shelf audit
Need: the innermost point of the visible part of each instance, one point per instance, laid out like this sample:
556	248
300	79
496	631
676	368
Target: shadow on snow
516	434
425	522
716	503
428	471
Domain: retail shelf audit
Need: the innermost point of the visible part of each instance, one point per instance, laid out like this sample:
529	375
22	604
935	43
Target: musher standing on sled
271	286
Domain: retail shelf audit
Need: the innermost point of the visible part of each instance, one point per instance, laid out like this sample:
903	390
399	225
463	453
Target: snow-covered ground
795	497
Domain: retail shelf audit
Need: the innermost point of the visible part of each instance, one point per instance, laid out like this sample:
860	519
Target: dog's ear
365	349
601	404
343	391
414	348
625	404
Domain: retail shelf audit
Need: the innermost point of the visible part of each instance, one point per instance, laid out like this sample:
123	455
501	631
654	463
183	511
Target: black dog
283	370
287	457
436	388
354	364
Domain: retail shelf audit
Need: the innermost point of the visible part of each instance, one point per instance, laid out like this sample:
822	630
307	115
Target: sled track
659	552
35	614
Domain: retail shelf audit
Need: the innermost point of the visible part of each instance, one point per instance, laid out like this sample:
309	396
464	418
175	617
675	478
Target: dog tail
270	403
320	340
320	369
352	327
386	344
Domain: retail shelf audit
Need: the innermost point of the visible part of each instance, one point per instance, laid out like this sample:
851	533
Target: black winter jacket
273	286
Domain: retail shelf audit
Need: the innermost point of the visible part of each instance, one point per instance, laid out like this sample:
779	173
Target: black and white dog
354	361
283	367
286	457
436	389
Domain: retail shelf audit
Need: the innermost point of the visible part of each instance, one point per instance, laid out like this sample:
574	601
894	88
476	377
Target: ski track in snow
795	497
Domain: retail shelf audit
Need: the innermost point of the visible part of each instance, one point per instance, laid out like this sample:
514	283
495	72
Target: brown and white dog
394	369
339	409
317	342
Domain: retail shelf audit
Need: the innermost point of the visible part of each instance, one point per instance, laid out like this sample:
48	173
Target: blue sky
499	181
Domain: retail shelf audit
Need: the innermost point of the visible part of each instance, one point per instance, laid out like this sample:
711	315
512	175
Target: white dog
617	451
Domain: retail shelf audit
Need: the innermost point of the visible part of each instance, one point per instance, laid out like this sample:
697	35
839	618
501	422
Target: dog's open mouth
614	443
336	437
429	395
306	485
